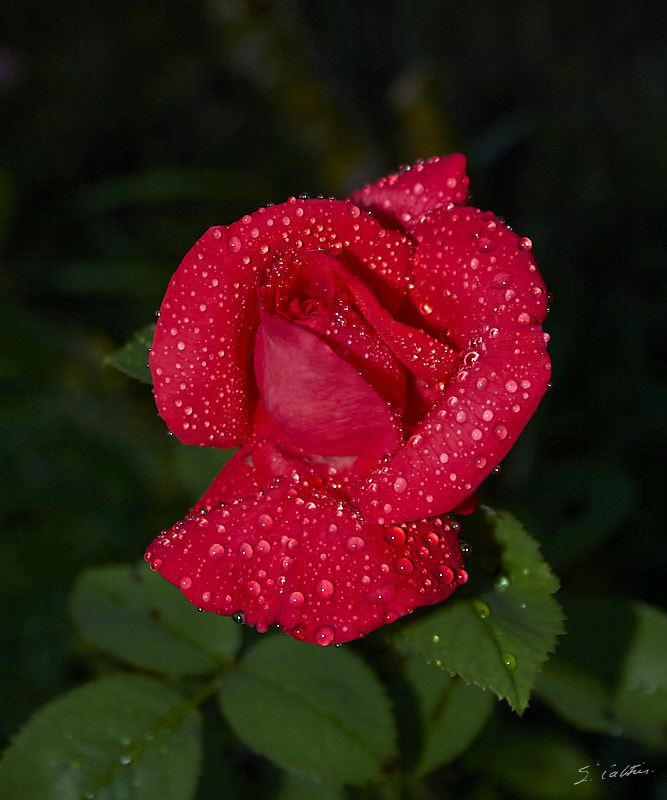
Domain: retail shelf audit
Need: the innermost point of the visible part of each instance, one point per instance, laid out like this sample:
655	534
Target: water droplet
436	638
394	535
355	544
234	244
185	582
245	551
383	595
125	759
296	599
264	522
501	279
480	462
481	609
503	583
426	309
400	485
511	386
445	574
484	244
404	566
263	547
238	617
324	589
525	243
325	634
475	434
216	551
509	661
523	318
500	431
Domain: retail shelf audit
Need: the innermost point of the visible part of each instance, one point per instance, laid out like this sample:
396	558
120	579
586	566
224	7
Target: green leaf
498	630
132	357
535	764
452	713
123	736
609	676
298	787
136	615
320	712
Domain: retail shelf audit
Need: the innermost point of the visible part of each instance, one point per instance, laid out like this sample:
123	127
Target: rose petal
201	357
317	399
497	298
399	200
304	560
423	355
310	289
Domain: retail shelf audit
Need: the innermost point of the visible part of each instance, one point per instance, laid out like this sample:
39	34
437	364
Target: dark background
128	128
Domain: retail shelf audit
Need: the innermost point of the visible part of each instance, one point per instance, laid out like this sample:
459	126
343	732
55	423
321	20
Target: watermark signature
612	771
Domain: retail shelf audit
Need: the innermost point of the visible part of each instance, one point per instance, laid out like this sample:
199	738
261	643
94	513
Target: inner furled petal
316	398
426	357
309	289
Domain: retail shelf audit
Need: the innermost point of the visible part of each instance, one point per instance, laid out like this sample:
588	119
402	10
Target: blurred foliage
128	128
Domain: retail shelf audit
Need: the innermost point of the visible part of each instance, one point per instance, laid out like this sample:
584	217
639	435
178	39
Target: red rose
375	359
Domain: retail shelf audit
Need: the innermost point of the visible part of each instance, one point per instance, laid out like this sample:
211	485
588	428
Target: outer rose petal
202	351
304	560
399	200
317	399
476	275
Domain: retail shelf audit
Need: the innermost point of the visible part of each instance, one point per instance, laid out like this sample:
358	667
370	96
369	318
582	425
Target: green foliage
121	736
320	712
132	357
452	713
610	675
537	765
137	616
498	630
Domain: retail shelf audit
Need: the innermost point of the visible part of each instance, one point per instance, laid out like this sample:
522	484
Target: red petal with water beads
202	353
299	556
399	200
478	280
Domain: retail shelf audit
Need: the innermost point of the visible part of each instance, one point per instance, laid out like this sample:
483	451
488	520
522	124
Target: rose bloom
374	358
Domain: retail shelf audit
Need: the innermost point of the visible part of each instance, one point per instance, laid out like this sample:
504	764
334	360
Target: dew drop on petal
511	386
296	599
525	243
394	535
445	575
325	634
265	522
253	588
324	589
185	582
500	431
480	462
234	244
400	485
404	566
216	551
484	244
355	544
299	632
245	551
383	595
